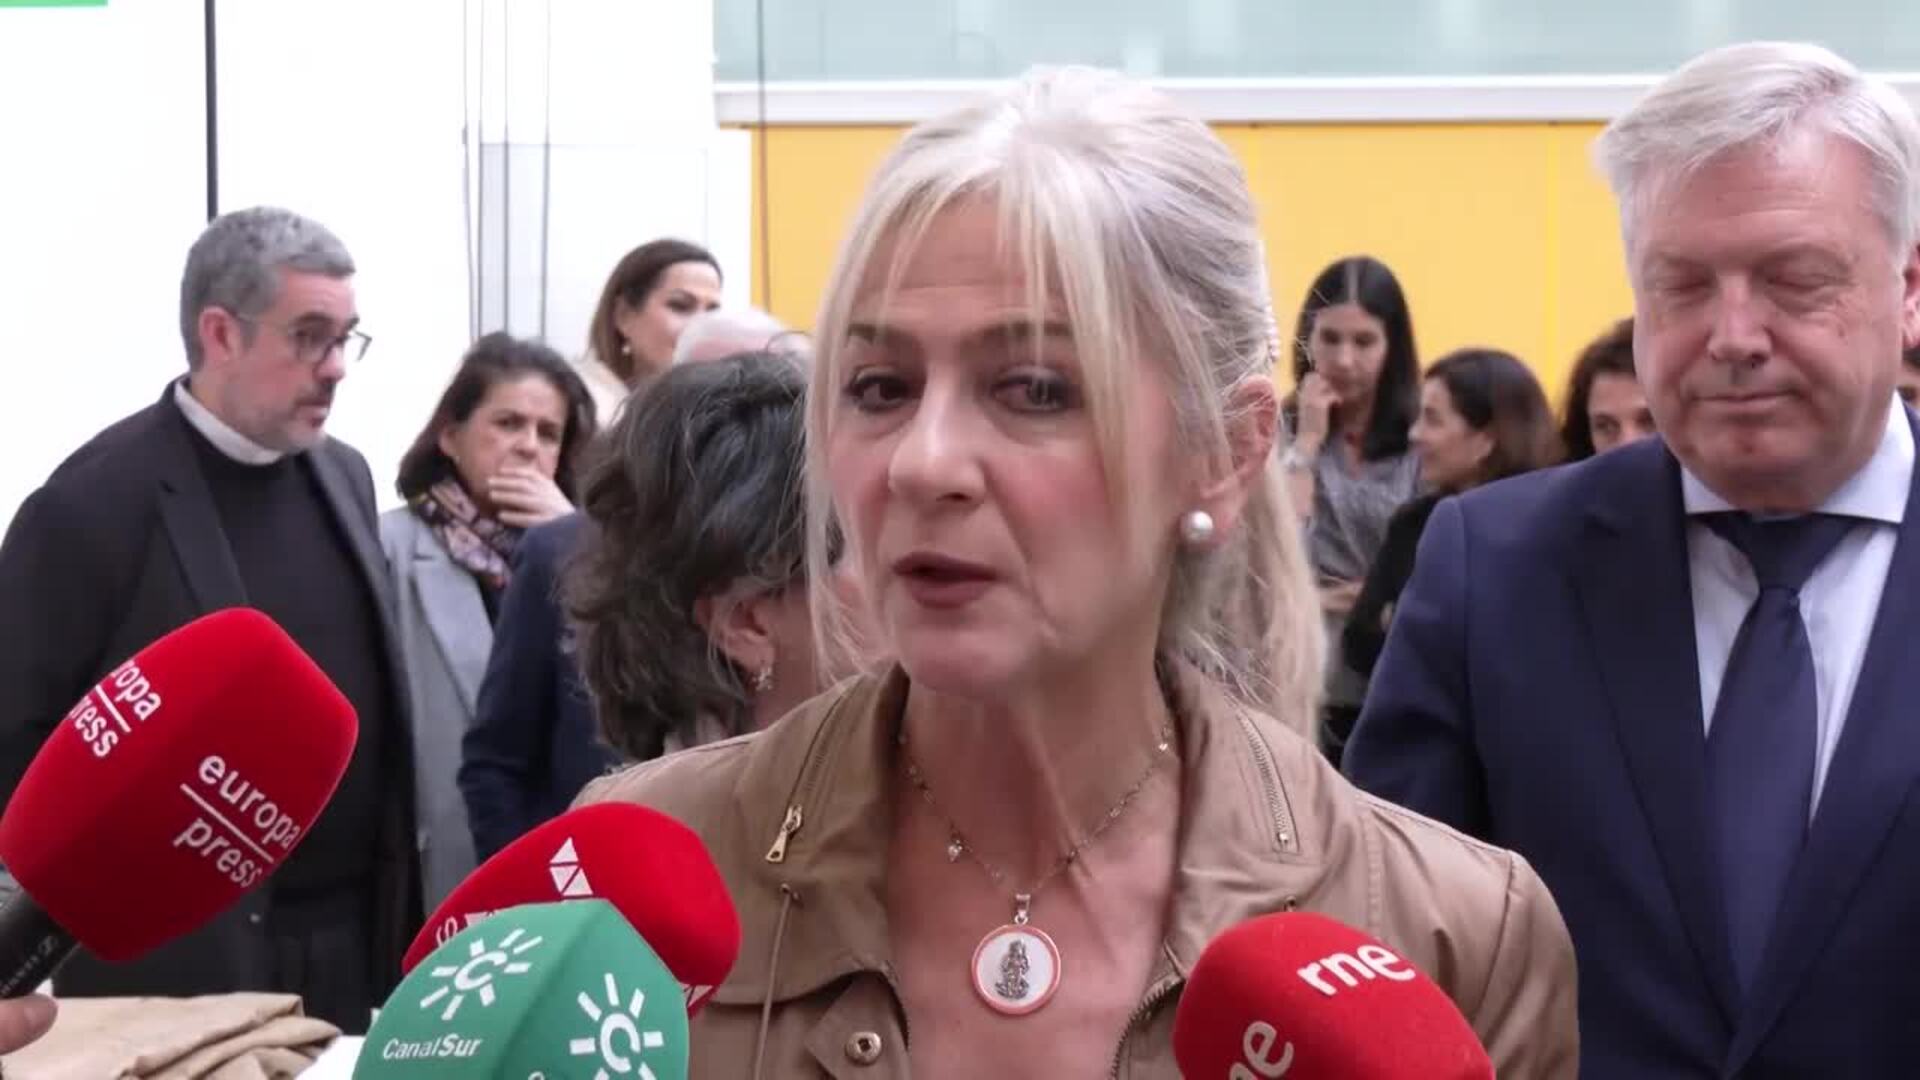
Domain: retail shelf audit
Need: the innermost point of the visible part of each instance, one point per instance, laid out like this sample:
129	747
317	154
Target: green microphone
539	992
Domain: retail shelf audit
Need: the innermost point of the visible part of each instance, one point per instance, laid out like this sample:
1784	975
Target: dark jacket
120	546
534	743
1366	632
1541	689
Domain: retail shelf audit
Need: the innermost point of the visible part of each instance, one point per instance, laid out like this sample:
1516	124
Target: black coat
534	743
120	546
1366	631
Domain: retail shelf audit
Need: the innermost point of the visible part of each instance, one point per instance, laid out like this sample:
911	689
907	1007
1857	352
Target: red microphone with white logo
178	783
651	868
1301	996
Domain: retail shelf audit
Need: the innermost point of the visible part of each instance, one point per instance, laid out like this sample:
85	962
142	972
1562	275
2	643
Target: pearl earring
1196	527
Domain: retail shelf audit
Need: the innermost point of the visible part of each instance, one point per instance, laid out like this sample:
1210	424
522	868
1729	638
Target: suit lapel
450	600
355	522
193	524
354	515
1874	769
1636	594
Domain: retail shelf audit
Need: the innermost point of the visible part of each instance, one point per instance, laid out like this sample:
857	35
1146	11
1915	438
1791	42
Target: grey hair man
726	332
268	318
1680	680
226	493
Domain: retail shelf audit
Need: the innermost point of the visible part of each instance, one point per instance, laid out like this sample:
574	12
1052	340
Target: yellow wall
1501	233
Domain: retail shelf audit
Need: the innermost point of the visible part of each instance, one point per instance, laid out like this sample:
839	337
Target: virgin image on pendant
1016	969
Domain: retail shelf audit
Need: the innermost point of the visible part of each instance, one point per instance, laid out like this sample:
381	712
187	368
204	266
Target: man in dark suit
226	492
1680	677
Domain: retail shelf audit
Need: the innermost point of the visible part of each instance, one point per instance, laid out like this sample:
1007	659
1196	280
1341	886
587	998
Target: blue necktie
1761	746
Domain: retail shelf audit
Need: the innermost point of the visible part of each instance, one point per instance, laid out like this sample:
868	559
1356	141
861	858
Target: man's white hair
1763	95
723	332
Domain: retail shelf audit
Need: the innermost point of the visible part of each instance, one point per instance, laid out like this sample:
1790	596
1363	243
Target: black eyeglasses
312	344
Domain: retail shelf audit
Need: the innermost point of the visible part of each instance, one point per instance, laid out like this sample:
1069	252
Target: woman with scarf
499	456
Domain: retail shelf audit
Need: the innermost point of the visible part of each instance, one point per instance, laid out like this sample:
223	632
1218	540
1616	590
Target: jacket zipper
1282	817
778	852
1270	783
802	791
1156	994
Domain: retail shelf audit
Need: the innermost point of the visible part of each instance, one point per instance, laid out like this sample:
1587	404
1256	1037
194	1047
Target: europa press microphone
556	990
653	870
1301	996
179	782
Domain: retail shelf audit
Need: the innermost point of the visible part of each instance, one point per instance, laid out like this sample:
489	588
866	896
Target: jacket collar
1248	785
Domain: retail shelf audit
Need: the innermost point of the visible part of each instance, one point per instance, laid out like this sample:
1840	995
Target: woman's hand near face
524	498
1317	402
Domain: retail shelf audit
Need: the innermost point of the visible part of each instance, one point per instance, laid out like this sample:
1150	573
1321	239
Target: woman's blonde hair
1134	217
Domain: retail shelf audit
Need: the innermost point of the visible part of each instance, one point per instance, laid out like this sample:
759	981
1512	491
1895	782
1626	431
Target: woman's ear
739	622
1252	421
1483	443
446	443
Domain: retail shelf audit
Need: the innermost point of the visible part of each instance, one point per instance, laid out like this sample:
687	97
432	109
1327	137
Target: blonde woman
1041	414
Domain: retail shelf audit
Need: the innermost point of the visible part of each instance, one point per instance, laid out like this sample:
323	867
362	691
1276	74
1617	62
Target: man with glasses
227	492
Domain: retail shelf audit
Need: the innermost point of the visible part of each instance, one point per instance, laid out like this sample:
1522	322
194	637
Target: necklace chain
957	844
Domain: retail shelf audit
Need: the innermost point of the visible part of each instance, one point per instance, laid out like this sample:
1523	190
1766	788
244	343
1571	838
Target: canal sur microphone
560	989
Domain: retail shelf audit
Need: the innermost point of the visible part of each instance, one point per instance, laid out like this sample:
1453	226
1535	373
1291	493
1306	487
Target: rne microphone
553	990
651	868
179	782
1301	996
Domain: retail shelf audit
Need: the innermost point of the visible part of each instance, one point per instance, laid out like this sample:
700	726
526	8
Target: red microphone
178	783
651	868
1300	996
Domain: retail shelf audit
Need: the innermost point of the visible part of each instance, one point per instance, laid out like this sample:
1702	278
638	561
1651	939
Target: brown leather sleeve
1528	1019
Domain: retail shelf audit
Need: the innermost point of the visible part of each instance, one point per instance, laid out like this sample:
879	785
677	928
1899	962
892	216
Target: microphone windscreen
1301	996
544	990
178	783
651	868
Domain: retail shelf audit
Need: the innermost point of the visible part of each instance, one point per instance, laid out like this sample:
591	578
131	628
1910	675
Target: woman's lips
941	581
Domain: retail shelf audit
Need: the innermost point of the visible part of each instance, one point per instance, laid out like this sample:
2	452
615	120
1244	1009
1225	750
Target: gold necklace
1016	967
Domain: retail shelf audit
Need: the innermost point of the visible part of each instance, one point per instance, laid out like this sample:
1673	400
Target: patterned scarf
481	544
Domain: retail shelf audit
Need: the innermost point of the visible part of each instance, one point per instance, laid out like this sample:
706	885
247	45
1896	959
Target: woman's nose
937	455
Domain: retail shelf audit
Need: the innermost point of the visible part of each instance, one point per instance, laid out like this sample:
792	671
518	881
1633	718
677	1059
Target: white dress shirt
1838	603
224	439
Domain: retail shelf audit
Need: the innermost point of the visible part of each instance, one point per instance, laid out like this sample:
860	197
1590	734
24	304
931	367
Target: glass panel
855	40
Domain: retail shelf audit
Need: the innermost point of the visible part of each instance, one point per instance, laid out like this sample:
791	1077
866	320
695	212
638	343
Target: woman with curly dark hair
688	597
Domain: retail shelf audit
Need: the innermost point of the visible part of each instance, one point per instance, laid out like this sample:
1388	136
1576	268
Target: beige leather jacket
797	817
